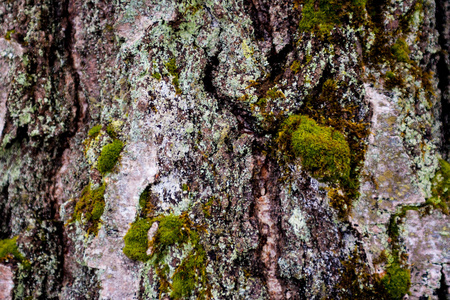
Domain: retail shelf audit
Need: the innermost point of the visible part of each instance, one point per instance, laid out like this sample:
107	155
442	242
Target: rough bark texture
198	92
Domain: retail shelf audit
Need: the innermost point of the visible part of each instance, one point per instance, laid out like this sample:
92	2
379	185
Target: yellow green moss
172	231
295	67
321	16
187	275
397	281
156	76
400	50
172	69
94	131
357	282
323	151
136	241
90	207
109	156
8	34
441	188
111	131
9	250
326	110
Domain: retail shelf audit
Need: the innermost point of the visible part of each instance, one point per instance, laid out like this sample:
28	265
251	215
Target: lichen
109	156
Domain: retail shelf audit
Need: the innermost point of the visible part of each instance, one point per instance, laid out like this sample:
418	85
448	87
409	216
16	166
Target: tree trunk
224	149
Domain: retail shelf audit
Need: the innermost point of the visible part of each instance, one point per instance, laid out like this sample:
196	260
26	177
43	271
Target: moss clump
109	156
328	109
136	241
156	76
94	131
172	69
322	15
400	50
9	249
143	198
393	80
91	206
171	230
323	151
9	33
174	231
357	282
296	66
397	281
441	188
188	273
274	93
111	131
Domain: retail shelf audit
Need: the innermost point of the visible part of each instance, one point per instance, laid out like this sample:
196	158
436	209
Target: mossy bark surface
224	149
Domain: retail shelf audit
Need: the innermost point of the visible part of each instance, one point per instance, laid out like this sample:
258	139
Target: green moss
8	34
109	156
171	230
156	76
185	187
357	282
172	69
91	206
327	110
295	67
323	150
143	198
397	281
393	80
94	131
274	93
322	15
400	50
187	274
136	241
207	207
9	249
441	188
111	131
191	272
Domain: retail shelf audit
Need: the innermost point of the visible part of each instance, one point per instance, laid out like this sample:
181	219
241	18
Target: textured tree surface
224	149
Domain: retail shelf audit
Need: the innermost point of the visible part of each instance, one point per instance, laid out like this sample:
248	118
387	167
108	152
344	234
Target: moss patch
136	241
322	15
9	250
441	188
94	131
397	281
90	207
172	231
323	151
400	50
156	76
172	69
357	282
109	156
